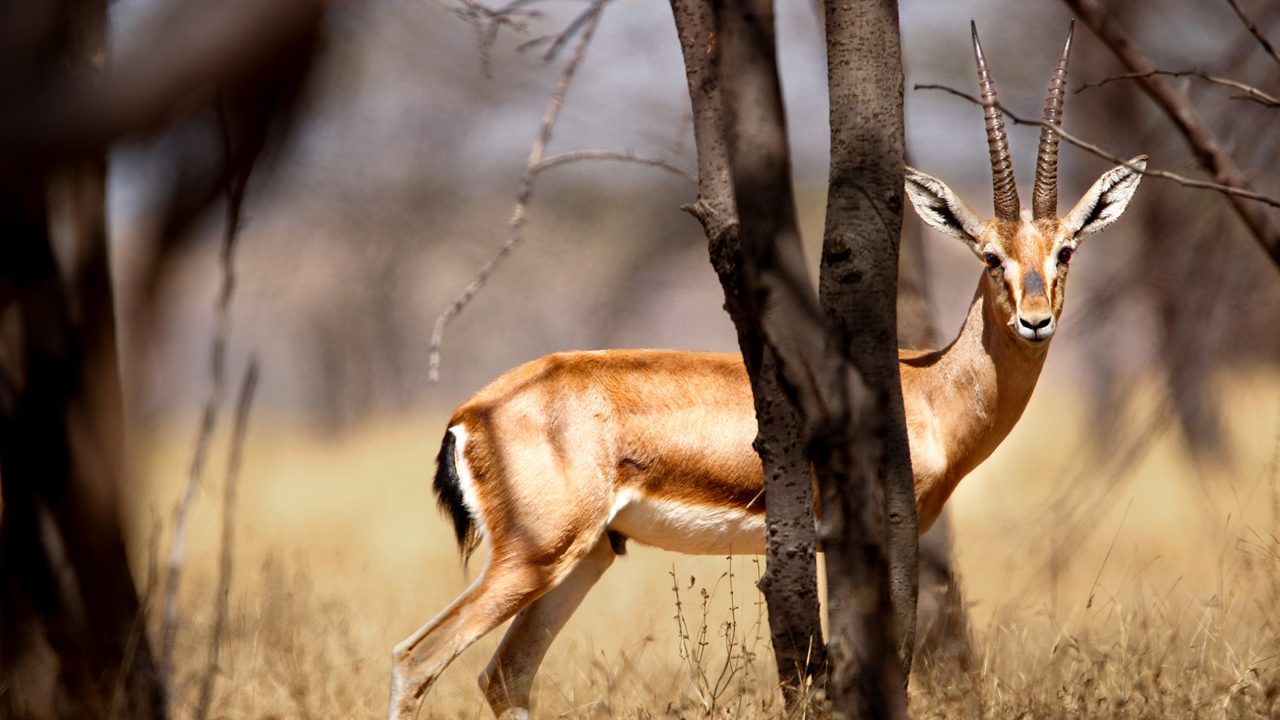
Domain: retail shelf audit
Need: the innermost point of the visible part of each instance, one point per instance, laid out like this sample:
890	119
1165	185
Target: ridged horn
1002	182
1044	199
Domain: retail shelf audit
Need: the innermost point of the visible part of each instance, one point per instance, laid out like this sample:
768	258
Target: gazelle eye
992	260
1064	256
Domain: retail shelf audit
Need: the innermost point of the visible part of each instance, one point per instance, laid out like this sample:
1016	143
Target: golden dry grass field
1157	598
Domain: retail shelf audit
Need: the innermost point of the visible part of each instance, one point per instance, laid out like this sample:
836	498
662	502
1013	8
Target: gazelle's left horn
1004	188
1044	199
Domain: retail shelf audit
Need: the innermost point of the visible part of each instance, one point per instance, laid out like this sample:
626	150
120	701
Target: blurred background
1146	463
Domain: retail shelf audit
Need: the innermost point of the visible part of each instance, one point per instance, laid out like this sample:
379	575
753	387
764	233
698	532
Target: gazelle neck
962	400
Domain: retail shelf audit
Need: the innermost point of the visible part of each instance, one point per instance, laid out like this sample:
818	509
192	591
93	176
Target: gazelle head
1026	253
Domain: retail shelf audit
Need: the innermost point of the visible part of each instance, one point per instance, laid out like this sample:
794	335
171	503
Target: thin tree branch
245	401
1257	33
1250	92
1108	155
1175	104
557	41
236	182
623	156
486	21
523	195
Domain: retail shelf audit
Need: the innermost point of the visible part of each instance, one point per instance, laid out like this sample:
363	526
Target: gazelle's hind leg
416	663
509	678
506	587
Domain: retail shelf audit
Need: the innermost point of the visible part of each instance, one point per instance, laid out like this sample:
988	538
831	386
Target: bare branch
714	207
624	156
486	22
236	182
1108	155
1257	33
559	40
1178	108
523	195
1250	92
243	404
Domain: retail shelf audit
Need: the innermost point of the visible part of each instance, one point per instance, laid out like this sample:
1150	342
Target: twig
1178	108
623	156
243	404
486	22
213	402
1250	92
1257	33
523	194
1108	155
560	39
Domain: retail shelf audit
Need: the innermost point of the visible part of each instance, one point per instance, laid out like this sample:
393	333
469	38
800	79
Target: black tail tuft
449	497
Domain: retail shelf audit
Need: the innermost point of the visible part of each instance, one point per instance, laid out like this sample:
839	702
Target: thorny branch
1108	155
516	223
1257	33
1250	92
236	183
243	404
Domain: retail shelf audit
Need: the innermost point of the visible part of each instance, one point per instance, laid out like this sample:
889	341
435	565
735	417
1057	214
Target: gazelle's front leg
509	678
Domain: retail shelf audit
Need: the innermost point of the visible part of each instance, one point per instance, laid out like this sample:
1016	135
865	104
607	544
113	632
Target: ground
1157	598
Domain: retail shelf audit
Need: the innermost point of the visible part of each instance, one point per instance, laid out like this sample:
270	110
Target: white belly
688	528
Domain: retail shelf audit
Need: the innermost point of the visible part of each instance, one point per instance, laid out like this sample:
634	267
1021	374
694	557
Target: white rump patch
466	480
689	528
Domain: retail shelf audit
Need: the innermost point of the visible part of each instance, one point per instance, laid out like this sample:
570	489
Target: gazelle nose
1035	323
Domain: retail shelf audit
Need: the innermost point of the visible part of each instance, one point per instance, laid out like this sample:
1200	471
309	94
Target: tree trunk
840	423
789	585
72	642
858	280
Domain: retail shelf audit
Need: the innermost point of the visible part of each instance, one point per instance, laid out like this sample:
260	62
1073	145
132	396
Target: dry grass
1157	599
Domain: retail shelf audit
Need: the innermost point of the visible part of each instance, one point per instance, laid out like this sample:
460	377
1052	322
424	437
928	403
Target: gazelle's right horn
1044	199
1002	182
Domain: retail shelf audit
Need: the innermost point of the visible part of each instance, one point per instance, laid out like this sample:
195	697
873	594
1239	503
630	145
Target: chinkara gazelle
559	461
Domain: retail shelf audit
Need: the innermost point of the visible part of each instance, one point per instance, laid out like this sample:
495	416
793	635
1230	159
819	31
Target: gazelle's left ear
1106	200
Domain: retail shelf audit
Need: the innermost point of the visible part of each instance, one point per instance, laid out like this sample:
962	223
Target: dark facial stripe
1033	283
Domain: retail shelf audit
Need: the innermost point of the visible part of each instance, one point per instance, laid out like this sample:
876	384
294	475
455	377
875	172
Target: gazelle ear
1106	200
941	208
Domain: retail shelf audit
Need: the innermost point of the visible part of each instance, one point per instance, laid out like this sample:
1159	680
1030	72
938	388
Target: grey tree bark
840	414
858	280
790	583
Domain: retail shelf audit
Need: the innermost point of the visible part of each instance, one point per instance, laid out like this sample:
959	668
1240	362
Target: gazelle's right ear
942	209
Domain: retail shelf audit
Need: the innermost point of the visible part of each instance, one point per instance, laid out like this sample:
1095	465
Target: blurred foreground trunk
71	635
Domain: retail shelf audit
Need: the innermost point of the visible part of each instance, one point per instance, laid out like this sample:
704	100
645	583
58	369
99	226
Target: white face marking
686	527
466	480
